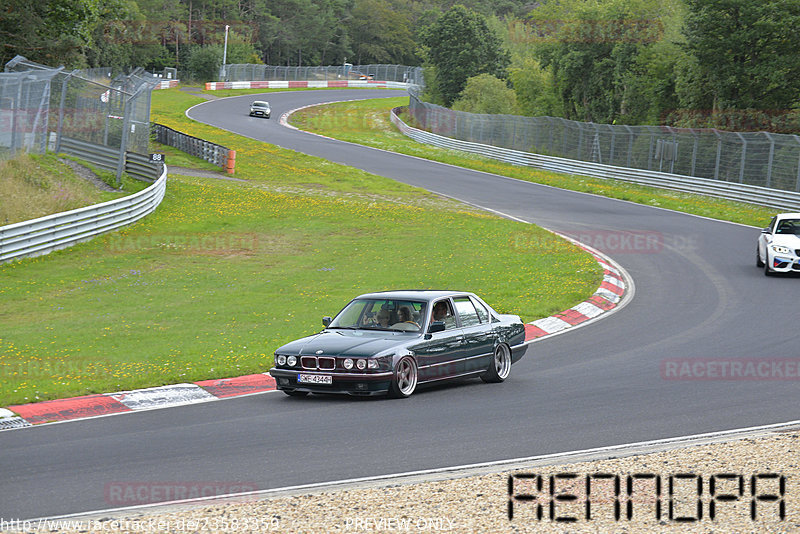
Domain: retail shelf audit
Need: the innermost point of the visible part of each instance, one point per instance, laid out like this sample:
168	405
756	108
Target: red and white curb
318	84
130	401
609	296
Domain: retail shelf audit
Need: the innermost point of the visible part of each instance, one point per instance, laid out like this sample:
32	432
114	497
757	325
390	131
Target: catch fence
760	159
44	108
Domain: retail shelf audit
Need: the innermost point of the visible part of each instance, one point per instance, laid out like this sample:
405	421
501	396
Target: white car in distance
778	249
260	108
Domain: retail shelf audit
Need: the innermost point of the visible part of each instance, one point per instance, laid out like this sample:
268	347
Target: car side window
772	225
443	311
466	312
483	315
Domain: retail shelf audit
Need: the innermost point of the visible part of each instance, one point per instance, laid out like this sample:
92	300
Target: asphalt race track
698	295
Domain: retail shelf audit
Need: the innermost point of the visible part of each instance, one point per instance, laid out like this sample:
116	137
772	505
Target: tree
601	56
459	45
380	32
485	93
52	32
747	50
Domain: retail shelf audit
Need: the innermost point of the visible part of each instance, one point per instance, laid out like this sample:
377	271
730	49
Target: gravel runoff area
725	472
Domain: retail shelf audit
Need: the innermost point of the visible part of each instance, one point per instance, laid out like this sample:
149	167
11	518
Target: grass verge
223	273
33	186
367	123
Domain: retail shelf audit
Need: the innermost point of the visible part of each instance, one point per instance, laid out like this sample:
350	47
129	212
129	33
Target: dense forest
730	64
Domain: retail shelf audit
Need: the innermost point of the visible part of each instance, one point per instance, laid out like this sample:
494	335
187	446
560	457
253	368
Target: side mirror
326	321
436	326
765	230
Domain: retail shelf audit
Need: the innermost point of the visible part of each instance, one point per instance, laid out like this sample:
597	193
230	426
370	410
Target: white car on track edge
778	249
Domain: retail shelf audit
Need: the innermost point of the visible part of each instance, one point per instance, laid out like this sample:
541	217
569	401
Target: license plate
315	379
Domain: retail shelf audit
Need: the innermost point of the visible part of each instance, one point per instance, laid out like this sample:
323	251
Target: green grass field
224	272
367	123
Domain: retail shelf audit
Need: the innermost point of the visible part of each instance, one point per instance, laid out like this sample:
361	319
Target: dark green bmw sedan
391	342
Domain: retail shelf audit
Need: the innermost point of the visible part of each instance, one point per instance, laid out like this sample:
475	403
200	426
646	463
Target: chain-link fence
755	158
389	73
47	108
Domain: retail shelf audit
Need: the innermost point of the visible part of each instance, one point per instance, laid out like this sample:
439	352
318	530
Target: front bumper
259	113
350	383
785	263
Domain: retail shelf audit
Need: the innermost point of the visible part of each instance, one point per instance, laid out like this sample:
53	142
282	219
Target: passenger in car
404	316
383	317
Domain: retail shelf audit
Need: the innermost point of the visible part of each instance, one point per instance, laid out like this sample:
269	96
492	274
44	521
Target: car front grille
322	363
797	252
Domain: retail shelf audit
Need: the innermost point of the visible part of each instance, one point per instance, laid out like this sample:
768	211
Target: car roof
413	294
261	102
788	216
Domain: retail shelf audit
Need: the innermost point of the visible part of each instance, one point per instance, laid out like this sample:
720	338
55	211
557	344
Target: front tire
759	263
500	367
404	381
767	270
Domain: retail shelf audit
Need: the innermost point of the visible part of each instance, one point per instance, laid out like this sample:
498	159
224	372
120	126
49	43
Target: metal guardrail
61	230
194	146
106	158
774	198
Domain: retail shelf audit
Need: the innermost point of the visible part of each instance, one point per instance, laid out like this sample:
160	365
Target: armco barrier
774	198
107	158
53	232
194	146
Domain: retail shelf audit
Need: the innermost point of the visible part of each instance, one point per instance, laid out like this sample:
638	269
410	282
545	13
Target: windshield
382	314
260	104
788	226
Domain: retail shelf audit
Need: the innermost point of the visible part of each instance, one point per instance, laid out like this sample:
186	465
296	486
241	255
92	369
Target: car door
439	353
479	338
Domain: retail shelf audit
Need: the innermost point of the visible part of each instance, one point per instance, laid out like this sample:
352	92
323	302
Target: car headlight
372	364
291	361
781	250
348	363
361	364
281	359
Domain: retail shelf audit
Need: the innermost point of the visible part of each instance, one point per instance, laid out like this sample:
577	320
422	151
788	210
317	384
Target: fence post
126	124
630	144
744	155
719	154
797	185
60	127
613	138
771	155
694	150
